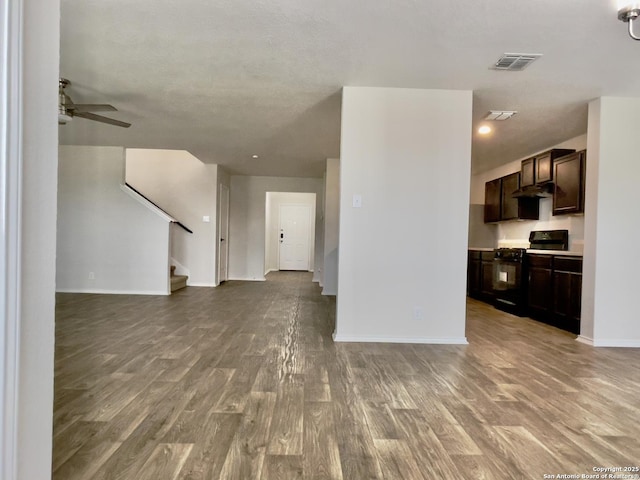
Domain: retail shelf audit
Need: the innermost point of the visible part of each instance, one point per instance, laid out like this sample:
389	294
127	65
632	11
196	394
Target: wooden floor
244	382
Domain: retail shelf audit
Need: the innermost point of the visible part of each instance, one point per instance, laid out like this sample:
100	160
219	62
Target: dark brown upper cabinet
499	203
544	168
569	179
528	172
509	205
492	200
538	170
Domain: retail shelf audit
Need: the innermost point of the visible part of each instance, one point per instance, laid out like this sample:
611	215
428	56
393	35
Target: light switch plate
357	200
206	219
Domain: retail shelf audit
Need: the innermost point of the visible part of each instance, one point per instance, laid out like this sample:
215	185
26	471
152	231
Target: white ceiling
225	79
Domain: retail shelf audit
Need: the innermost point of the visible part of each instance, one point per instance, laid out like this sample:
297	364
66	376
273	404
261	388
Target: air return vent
499	115
514	62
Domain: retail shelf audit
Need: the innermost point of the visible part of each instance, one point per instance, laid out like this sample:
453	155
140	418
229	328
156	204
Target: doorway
289	231
223	240
294	237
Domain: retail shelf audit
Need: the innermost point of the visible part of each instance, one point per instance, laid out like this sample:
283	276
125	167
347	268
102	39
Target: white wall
247	221
32	47
331	226
104	231
612	225
272	225
187	189
516	232
407	153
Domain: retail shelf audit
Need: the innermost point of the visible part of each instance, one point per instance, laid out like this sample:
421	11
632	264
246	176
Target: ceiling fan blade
91	107
100	118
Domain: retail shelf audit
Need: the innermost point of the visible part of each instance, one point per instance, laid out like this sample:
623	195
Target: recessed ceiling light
484	129
254	156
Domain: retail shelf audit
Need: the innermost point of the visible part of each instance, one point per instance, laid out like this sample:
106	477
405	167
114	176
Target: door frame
223	217
310	238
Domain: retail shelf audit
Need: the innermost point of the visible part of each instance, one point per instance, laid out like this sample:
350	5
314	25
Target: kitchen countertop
567	253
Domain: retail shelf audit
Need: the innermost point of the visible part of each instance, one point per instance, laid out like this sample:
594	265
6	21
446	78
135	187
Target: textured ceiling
232	78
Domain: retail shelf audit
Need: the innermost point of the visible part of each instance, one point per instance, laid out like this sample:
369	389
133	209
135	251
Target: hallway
244	382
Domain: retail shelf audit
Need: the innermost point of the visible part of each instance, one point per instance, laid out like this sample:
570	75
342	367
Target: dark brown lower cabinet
480	275
555	290
486	276
539	289
474	269
567	293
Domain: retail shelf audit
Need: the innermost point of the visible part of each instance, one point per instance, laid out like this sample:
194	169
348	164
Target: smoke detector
515	62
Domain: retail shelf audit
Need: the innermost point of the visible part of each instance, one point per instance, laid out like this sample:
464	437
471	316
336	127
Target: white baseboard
239	279
585	340
433	341
329	292
201	284
617	342
271	270
609	342
111	292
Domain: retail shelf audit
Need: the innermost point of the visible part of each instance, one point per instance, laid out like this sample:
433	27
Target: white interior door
294	233
223	228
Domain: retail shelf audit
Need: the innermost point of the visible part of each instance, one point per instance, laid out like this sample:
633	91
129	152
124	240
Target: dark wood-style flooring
244	382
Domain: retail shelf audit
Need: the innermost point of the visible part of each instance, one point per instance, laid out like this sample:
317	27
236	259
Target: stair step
178	282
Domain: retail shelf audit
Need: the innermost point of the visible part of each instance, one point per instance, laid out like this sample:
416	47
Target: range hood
532	191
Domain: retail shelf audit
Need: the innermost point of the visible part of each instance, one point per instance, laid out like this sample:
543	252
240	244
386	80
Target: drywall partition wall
404	175
612	225
516	233
108	242
272	220
32	54
187	189
247	221
331	226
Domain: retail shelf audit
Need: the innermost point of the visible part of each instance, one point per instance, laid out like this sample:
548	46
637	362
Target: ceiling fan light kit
67	109
629	13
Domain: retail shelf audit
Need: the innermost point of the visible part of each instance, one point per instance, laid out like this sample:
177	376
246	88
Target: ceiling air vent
514	62
499	115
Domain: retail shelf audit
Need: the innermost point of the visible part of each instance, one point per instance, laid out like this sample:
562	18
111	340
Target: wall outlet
418	313
92	276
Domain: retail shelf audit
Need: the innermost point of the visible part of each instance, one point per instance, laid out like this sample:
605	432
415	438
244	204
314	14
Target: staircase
177	281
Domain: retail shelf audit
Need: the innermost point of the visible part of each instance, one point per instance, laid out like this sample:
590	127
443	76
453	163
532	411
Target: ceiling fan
67	109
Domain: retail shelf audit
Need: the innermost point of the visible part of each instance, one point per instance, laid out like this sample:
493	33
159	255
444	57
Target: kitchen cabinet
554	291
508	204
568	191
492	200
528	172
486	276
480	275
538	170
539	290
474	269
567	293
499	203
